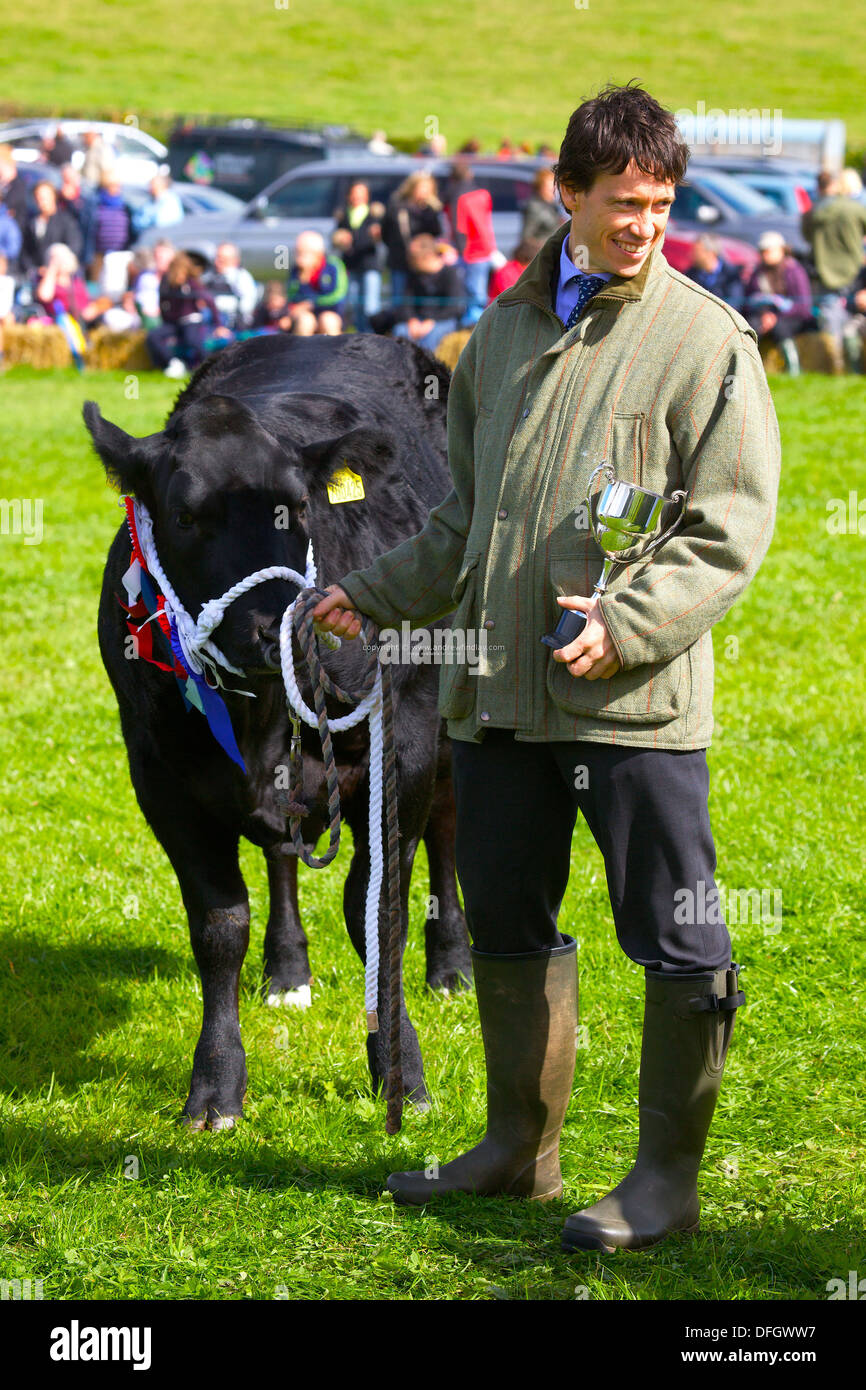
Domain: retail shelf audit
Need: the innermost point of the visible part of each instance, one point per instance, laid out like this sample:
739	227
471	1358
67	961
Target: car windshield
747	201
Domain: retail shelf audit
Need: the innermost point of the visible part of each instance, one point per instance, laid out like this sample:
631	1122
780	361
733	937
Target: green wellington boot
528	1010
688	1022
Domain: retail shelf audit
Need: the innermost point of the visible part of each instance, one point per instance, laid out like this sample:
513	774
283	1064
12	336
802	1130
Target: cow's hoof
299	998
454	981
213	1121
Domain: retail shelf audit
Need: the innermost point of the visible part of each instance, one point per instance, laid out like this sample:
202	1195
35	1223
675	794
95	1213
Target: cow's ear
368	452
129	462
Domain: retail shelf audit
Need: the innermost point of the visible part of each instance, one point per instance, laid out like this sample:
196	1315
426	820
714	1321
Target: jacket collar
537	283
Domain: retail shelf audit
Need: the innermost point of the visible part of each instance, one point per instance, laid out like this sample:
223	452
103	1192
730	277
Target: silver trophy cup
625	521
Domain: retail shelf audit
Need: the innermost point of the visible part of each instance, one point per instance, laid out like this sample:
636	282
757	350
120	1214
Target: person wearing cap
778	298
600	351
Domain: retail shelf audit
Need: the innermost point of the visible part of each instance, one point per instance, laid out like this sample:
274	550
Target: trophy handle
679	496
608	470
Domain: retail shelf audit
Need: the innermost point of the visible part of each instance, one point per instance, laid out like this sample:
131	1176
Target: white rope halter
201	655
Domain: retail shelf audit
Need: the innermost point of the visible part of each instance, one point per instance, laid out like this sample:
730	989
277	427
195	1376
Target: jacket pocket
654	693
456	688
628	445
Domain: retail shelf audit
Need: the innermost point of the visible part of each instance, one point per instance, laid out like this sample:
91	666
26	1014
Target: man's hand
592	654
335	613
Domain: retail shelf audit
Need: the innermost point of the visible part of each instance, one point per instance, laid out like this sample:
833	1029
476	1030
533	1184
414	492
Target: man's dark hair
610	130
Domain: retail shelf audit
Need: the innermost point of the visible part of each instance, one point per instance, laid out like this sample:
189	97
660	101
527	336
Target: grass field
104	1196
484	70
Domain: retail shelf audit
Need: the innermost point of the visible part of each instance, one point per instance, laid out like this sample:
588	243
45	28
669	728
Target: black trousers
517	804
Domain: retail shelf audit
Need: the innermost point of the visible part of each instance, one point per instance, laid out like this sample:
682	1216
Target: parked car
791	186
137	155
716	201
308	198
246	156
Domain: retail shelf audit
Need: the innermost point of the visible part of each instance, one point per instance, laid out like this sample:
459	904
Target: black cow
257	433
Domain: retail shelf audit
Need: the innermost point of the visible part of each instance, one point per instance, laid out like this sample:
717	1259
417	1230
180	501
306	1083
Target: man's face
619	221
358	195
45	199
226	257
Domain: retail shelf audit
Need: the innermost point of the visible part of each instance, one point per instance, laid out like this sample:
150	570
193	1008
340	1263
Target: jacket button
485	715
526	414
502	513
489	622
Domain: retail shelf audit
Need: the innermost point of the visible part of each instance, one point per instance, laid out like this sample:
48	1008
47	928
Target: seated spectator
316	288
712	272
509	273
234	289
13	189
435	298
10	238
7	293
273	311
542	214
357	238
112	222
60	287
189	316
162	209
854	336
146	269
506	150
50	225
379	144
778	298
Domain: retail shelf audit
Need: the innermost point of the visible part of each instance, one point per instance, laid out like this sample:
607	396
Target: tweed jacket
662	380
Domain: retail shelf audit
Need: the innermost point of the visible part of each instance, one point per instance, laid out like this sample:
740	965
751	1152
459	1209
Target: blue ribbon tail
219	721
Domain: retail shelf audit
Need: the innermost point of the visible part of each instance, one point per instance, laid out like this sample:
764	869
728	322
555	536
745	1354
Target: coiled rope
373	702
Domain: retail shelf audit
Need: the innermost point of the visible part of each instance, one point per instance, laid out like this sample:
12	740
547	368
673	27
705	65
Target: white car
137	155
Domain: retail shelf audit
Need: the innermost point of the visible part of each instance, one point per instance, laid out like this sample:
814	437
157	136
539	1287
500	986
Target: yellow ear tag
345	486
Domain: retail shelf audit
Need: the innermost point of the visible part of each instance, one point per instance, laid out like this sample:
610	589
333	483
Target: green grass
99	1000
479	69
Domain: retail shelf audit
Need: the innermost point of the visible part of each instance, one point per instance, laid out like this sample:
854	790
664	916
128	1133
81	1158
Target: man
163	208
233	287
834	228
316	288
434	296
710	270
470	212
600	351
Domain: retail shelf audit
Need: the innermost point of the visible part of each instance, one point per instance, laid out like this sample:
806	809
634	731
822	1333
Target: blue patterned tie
587	286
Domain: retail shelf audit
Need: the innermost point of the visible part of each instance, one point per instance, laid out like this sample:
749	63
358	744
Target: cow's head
227	498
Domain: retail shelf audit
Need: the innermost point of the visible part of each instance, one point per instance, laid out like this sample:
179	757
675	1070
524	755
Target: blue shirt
569	277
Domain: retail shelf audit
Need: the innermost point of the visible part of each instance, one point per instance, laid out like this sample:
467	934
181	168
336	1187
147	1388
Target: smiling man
599	352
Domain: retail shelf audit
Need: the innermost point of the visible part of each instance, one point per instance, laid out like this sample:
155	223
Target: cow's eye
184	520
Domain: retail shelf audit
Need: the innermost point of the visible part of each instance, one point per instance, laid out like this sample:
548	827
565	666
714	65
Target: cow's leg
204	855
354	895
449	961
287	965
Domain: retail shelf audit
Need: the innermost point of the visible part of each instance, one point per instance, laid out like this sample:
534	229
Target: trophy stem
607	570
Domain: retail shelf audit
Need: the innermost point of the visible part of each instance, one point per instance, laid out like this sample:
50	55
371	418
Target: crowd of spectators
418	268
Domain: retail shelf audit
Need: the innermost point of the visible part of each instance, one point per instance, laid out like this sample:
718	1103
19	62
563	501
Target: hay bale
111	351
818	352
36	345
451	347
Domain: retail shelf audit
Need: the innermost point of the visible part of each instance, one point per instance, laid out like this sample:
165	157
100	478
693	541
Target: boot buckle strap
712	1003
